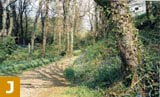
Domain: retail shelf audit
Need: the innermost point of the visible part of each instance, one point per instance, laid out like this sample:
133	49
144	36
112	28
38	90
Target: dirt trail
47	81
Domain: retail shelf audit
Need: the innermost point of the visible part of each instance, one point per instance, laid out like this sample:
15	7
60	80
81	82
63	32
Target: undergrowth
82	91
19	59
100	67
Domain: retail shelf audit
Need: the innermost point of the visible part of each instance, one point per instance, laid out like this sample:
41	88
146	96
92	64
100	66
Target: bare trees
35	25
58	24
67	24
7	10
13	14
22	8
68	21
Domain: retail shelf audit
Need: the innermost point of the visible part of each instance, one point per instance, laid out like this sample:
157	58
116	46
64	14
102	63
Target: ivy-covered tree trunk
127	38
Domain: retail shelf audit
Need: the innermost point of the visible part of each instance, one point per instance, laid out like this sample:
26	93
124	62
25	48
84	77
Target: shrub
106	74
19	54
69	74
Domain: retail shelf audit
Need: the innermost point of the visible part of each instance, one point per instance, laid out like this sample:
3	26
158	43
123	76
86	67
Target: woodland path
46	81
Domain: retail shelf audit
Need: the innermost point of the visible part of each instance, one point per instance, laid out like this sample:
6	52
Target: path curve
46	81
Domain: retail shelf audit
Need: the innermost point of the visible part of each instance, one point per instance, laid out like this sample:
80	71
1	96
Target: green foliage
19	54
7	46
155	8
77	52
99	65
150	37
13	67
142	22
83	40
106	74
69	73
149	70
82	91
52	50
98	52
20	60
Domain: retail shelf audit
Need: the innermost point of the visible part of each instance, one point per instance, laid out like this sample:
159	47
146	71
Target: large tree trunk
1	15
11	16
4	17
45	25
127	38
58	9
65	20
11	23
74	24
68	40
66	26
71	43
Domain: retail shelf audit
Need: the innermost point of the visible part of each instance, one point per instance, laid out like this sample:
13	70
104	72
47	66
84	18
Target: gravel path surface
47	81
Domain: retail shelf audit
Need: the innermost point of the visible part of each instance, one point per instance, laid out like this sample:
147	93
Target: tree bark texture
127	38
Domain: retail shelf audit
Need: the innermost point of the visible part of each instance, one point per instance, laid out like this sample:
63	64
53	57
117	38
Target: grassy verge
20	60
81	91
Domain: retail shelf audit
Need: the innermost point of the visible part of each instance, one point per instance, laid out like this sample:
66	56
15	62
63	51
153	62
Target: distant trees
33	34
71	19
16	21
7	9
66	23
20	19
30	24
59	23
